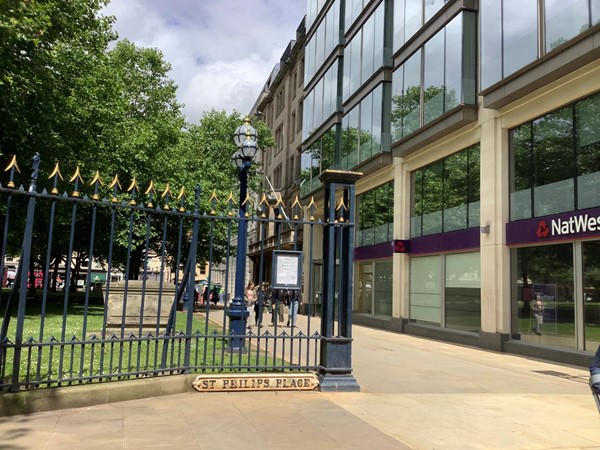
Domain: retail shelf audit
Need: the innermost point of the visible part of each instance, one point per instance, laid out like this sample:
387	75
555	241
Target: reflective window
321	102
323	42
314	160
520	34
350	139
445	195
462	292
426	290
374	288
448	80
361	130
364	53
553	176
543	295
511	33
555	162
587	114
375	215
411	95
433	87
564	20
491	42
433	6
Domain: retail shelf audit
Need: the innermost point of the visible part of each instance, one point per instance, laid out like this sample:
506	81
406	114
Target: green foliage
69	95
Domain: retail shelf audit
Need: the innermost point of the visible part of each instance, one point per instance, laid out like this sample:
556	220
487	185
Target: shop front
555	261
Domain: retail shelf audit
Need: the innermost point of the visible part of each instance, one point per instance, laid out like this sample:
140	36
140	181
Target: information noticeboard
287	270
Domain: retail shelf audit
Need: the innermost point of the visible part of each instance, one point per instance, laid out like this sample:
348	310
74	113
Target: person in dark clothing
214	295
595	378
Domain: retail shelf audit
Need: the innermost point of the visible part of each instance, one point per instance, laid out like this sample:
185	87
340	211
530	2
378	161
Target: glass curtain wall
555	162
361	130
321	102
374	288
363	55
544	274
375	215
511	32
445	194
446	64
314	160
445	290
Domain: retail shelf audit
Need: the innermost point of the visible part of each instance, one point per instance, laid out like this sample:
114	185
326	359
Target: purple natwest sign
566	226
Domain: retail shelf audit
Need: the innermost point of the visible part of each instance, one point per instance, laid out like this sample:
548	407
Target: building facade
280	107
474	124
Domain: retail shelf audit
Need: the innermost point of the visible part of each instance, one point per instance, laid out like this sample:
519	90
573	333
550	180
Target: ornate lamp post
245	138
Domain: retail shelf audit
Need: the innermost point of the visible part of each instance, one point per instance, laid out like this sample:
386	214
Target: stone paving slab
415	394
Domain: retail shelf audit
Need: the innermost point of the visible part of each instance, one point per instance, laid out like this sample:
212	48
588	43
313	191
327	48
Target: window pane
433	6
521	182
455	191
410	110
397	86
378	37
491	42
328	149
364	299
553	168
453	63
520	34
366	122
399	24
564	20
474	187
368	35
426	289
413	19
587	113
383	288
416	204
544	273
432	198
463	292
433	105
377	112
595	12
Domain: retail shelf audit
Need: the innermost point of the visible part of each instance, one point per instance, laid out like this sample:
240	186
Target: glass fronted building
476	125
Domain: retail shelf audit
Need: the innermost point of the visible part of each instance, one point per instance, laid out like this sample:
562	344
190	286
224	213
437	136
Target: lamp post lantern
245	138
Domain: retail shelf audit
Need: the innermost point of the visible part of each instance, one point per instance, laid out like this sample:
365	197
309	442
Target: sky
221	51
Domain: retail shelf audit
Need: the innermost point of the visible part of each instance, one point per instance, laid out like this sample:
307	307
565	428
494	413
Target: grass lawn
71	349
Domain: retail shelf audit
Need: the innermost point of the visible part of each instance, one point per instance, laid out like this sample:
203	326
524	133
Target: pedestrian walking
295	301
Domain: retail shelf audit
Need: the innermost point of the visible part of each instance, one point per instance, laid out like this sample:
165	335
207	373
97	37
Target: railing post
336	347
24	264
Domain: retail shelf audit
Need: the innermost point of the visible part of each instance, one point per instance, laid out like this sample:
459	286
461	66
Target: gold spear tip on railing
13	163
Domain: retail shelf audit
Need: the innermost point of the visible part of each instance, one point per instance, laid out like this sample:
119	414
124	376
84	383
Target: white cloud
221	51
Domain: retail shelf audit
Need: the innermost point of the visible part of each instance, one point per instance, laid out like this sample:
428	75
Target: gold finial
150	188
56	171
166	191
96	179
13	163
133	185
311	206
114	185
296	204
75	178
115	182
181	197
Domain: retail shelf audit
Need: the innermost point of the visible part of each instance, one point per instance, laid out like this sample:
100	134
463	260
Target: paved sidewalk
415	393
